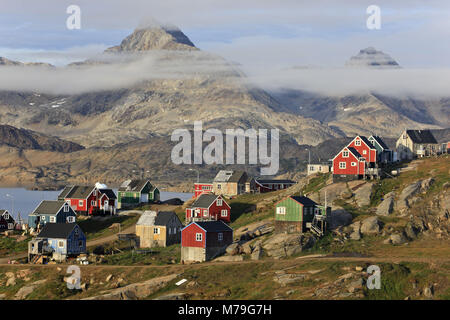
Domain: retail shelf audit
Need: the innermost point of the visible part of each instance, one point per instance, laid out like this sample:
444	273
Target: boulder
408	192
233	249
426	184
396	239
411	231
230	258
386	207
339	218
362	195
355	235
286	278
257	253
370	225
247	248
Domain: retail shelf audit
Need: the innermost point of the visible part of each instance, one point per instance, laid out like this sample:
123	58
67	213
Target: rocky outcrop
362	194
372	58
386	207
136	290
285	245
339	218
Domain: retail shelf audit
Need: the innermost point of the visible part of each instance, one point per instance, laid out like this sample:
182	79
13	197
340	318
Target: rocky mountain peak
154	37
372	58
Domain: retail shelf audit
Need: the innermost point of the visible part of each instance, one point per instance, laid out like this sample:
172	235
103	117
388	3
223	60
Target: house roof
79	192
354	152
421	136
366	141
2	212
133	185
304	200
153	218
109	192
163	217
380	142
228	176
56	230
213	226
64	192
49	207
147	218
276	181
204	200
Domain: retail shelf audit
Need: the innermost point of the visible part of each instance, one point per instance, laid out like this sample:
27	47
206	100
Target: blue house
61	240
51	212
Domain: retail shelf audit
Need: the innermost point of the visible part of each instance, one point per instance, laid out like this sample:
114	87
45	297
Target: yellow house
158	229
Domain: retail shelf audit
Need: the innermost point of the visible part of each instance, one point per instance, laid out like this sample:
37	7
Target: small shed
204	240
293	212
158	229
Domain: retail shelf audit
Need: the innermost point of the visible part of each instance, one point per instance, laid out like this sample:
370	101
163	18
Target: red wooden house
204	240
348	164
366	149
106	201
209	207
201	188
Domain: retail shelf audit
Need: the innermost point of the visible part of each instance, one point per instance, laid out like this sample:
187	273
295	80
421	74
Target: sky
262	36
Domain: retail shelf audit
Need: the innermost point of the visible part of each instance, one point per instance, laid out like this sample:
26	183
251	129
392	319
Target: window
70	219
281	210
66	208
364	151
342	165
345	154
76	231
357	142
224	213
219	186
170	231
205	213
220	236
311	168
80	244
219	202
105	203
43	218
53	219
10	226
80	203
92	203
198	237
60	244
156	230
353	164
6	216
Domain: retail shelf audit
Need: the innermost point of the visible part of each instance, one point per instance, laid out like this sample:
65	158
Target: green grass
158	256
10	246
100	228
316	183
394	280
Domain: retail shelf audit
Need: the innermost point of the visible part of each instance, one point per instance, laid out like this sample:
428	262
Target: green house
294	212
135	192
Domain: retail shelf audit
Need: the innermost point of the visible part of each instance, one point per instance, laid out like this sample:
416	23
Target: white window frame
342	165
281	210
157	231
66	207
43	218
92	203
224	213
59	244
219	186
357	142
345	154
364	151
10	225
353	164
6	216
220	236
52	219
80	203
70	219
219	202
199	237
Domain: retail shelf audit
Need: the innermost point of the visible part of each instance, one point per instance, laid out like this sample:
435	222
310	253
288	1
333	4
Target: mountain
7	62
27	139
154	38
372	58
371	112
